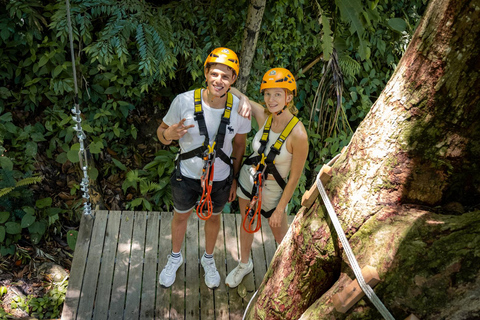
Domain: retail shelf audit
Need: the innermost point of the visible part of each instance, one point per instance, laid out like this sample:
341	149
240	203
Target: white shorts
271	192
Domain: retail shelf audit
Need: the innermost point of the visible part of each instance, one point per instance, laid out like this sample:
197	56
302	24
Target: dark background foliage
132	58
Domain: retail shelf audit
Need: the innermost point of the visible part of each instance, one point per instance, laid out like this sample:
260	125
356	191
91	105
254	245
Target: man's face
219	79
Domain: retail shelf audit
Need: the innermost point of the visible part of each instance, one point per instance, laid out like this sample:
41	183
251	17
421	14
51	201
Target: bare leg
212	226
179	228
246	239
279	232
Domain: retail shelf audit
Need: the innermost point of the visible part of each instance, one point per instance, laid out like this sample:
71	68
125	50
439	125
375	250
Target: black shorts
188	191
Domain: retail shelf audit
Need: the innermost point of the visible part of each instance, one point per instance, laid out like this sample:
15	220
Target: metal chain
82	153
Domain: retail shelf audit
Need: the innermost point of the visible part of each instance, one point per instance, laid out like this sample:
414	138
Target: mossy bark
405	191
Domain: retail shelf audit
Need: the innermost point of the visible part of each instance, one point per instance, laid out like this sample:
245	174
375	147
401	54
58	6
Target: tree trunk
406	192
249	43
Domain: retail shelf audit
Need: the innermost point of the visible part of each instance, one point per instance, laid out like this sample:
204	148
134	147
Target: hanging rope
82	153
348	251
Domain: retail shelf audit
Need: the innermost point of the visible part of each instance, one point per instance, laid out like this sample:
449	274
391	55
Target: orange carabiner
207	185
254	213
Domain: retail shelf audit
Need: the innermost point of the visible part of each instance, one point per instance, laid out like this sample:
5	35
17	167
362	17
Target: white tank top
282	160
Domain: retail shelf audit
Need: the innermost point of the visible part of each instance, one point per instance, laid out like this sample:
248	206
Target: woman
278	87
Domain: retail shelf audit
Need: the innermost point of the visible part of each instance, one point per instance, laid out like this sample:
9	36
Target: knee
214	219
181	216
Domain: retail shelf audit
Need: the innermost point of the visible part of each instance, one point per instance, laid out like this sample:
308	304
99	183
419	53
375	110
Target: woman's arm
299	145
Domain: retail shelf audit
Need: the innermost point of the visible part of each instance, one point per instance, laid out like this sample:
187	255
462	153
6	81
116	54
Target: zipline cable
348	251
82	153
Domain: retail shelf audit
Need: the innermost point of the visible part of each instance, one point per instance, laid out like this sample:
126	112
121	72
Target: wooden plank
350	295
78	266
207	309
221	297
177	302
162	309
135	272
149	281
85	307
232	248
258	256
120	276
269	243
104	284
248	281
312	194
192	270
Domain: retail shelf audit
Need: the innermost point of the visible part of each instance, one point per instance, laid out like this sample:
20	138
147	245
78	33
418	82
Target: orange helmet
224	56
279	78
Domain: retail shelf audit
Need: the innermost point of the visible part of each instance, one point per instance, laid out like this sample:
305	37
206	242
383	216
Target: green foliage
159	192
21	216
72	236
4	315
133	57
47	307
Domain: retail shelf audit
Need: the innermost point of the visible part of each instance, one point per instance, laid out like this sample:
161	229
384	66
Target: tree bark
406	192
249	43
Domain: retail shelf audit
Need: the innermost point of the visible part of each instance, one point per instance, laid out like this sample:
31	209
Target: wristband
163	135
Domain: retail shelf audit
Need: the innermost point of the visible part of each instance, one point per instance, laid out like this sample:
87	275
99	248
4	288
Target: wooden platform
119	256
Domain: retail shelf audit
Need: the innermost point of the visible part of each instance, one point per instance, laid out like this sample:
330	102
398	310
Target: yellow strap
266	130
283	136
228	106
198	100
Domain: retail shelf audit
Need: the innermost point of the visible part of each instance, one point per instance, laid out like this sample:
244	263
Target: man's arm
239	144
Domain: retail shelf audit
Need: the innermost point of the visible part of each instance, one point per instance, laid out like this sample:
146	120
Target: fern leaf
28	181
5	191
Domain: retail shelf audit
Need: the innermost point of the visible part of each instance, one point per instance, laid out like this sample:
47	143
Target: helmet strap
281	111
225	93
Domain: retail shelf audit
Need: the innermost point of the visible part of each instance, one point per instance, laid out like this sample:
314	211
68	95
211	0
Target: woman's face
276	98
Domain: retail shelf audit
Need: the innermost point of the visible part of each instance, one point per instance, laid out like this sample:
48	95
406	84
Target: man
210	130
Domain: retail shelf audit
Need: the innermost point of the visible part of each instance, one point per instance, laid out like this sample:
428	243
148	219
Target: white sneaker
235	276
212	277
169	273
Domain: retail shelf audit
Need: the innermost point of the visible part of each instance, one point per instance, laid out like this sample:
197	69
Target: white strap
348	251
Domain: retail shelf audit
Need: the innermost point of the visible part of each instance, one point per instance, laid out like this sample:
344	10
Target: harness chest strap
202	127
269	160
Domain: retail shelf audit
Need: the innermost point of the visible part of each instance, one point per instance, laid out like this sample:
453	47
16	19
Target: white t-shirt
183	107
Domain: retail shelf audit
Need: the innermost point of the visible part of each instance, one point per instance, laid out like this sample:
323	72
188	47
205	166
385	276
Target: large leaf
327	38
4	215
350	11
397	24
13	228
43	203
6	163
72	236
38	227
2	233
27	220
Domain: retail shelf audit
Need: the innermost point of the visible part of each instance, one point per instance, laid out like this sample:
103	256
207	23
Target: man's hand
176	131
233	191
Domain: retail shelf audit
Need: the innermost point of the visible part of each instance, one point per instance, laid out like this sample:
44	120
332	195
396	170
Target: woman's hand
275	220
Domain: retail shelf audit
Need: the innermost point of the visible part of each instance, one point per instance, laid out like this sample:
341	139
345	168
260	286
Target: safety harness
265	166
207	152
